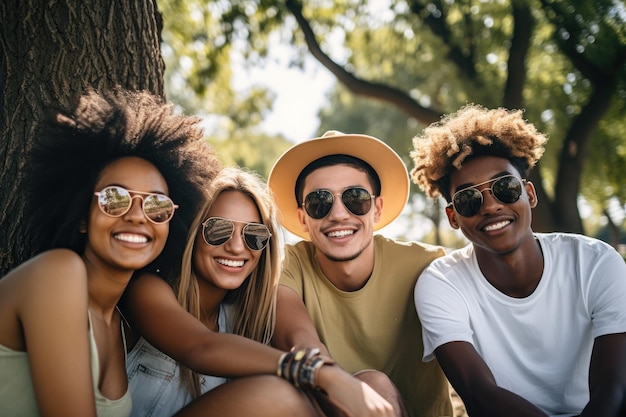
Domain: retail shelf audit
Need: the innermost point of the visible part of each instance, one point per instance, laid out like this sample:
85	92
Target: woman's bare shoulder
41	293
51	272
53	262
148	282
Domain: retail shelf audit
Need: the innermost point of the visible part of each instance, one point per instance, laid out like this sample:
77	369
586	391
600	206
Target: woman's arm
52	298
152	308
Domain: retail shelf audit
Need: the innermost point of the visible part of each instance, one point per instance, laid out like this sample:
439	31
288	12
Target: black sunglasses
357	200
115	201
217	230
506	189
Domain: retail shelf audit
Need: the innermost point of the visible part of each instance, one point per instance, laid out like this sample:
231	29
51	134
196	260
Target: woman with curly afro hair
112	186
522	323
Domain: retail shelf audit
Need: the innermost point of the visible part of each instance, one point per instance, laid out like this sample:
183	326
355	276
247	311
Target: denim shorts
154	382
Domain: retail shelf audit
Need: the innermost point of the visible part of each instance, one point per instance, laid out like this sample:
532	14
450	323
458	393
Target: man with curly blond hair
522	323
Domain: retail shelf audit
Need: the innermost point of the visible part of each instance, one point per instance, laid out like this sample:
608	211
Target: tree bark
523	26
50	52
572	155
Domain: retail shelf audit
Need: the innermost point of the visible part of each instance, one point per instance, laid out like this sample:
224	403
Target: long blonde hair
254	301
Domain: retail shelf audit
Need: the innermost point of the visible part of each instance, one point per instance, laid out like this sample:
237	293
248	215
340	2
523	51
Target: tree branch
572	155
604	80
567	45
357	85
523	25
437	24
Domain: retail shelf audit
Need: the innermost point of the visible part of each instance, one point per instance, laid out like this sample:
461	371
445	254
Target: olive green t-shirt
377	326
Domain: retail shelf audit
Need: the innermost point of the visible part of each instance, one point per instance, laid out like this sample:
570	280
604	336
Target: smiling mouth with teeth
127	237
227	262
341	233
496	226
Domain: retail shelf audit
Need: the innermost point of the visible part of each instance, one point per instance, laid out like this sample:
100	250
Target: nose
338	210
135	212
235	244
490	203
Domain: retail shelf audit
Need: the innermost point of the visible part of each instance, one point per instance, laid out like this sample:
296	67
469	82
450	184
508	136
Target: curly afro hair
73	146
472	131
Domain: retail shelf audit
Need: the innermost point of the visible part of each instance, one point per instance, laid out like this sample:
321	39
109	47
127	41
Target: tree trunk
572	155
49	52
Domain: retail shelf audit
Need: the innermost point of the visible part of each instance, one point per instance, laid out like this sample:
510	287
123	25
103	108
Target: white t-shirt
538	347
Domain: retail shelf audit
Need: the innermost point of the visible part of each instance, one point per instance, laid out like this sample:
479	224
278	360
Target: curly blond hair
472	131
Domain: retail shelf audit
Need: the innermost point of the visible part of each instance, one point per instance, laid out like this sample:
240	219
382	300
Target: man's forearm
606	401
298	339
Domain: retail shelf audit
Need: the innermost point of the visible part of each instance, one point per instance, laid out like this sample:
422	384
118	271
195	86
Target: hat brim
388	165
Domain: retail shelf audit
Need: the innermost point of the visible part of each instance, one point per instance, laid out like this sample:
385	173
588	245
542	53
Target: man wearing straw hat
344	289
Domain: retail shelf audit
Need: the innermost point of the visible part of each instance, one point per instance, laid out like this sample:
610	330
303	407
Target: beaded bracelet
300	367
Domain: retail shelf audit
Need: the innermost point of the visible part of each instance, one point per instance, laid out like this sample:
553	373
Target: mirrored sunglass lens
218	231
158	208
256	236
468	202
508	189
318	203
357	200
114	201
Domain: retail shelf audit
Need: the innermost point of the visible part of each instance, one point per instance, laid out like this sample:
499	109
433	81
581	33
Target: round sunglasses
115	201
217	230
357	200
506	189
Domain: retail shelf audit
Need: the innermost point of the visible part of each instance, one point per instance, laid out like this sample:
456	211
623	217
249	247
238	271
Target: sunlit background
248	71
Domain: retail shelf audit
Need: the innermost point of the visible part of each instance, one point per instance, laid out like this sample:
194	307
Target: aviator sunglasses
506	189
217	230
115	201
357	200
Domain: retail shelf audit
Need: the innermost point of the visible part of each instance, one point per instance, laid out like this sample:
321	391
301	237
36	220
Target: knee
376	379
385	387
284	398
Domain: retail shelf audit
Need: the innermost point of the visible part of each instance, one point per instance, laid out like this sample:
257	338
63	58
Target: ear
82	228
378	208
301	217
532	194
452	217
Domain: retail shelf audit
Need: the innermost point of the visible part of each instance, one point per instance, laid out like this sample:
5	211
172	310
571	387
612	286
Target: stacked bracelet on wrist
300	367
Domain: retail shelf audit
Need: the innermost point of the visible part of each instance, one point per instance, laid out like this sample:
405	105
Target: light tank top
17	398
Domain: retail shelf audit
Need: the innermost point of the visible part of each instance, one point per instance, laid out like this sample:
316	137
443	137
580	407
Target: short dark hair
337	159
72	148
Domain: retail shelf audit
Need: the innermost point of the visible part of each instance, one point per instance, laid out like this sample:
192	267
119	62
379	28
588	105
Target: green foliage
198	50
246	148
441	54
606	177
198	39
406	54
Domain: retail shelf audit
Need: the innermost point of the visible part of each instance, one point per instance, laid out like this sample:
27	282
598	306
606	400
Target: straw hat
394	178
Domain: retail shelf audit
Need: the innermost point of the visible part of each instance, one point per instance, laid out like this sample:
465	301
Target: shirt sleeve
291	275
442	311
607	293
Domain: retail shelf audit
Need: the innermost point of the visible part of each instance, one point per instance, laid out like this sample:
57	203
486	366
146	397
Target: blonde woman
217	318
